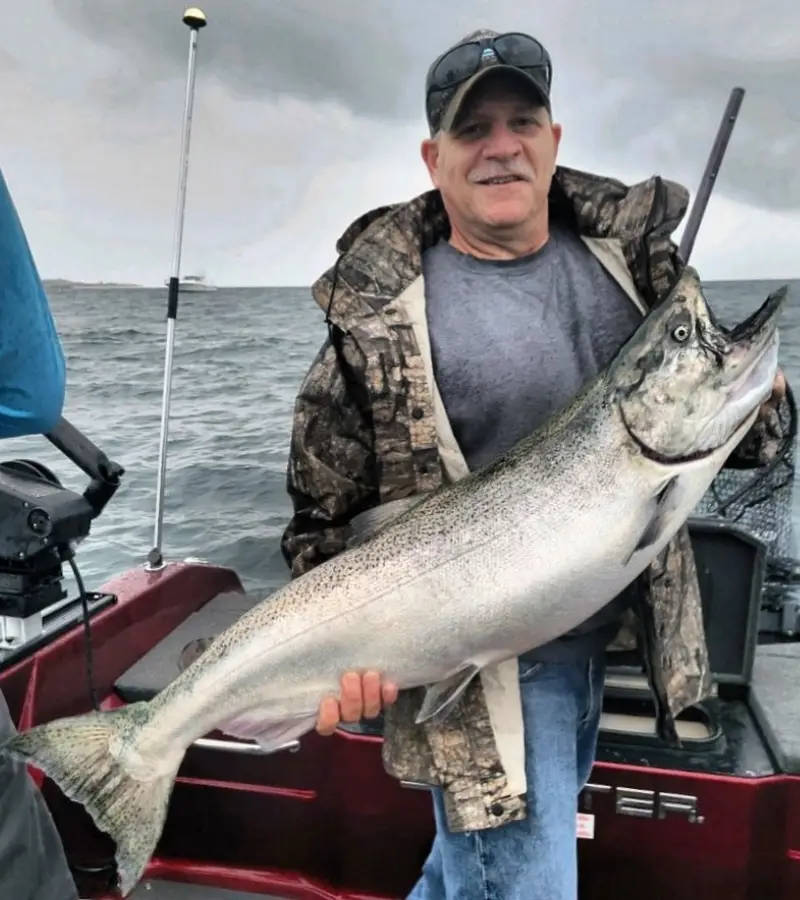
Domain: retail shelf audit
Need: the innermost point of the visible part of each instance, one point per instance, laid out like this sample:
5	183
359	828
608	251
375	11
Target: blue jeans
536	858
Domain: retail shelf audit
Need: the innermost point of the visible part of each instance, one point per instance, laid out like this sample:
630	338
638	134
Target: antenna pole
194	19
713	165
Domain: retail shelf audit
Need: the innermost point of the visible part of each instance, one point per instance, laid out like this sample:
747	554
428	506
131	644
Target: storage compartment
731	570
631	721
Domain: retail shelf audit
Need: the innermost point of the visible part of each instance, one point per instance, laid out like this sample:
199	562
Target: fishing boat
319	817
193	284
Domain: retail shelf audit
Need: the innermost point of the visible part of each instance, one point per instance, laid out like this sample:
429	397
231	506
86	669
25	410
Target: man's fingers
328	718
371	683
768	410
352	701
389	693
772	422
360	697
778	393
779	387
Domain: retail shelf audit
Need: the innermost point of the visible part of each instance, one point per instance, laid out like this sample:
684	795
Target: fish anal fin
666	502
442	697
366	524
269	734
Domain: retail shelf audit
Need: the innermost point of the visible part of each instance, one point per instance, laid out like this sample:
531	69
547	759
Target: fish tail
83	756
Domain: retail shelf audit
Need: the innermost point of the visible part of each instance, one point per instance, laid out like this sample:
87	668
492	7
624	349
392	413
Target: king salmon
434	588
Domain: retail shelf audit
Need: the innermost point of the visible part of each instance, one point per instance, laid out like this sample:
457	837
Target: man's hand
361	696
778	389
768	413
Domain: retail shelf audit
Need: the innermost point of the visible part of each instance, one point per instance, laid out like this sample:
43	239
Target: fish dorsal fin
441	698
366	524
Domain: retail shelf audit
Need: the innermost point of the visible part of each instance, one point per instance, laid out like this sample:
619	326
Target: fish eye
681	332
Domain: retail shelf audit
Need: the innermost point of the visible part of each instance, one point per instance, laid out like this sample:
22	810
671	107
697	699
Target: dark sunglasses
462	62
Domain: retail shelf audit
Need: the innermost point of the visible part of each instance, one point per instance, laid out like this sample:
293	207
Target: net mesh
762	500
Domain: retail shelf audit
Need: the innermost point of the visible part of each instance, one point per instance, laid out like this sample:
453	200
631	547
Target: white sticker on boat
586	826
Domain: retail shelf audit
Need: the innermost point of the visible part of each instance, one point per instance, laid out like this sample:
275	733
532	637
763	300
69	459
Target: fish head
685	386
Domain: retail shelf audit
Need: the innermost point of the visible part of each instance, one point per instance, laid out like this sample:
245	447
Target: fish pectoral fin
665	505
366	524
269	734
441	698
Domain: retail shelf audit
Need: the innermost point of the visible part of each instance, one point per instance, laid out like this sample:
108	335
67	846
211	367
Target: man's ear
429	150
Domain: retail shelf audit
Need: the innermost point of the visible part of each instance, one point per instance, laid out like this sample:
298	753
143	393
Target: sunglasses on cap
466	59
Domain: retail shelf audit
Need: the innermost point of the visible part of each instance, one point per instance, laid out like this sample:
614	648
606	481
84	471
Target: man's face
494	167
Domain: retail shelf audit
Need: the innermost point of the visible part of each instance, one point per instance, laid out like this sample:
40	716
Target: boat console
41	523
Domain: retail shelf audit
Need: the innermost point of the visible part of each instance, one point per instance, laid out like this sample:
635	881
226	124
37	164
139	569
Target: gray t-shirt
513	341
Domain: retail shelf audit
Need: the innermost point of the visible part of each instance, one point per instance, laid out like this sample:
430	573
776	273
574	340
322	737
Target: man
457	323
32	385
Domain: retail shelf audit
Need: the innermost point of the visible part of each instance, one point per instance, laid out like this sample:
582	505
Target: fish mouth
765	319
752	347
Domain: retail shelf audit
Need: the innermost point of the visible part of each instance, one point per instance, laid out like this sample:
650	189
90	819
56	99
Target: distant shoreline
63	282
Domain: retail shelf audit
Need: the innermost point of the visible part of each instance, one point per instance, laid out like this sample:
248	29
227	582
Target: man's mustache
497	169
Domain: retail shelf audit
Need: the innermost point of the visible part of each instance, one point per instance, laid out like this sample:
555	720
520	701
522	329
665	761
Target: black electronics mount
41	521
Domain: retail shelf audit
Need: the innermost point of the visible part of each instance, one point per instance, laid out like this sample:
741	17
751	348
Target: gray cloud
670	71
646	89
309	112
365	56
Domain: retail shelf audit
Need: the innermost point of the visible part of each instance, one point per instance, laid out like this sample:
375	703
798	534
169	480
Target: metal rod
713	165
195	19
248	748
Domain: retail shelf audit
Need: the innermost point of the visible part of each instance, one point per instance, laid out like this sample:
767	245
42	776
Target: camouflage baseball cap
455	73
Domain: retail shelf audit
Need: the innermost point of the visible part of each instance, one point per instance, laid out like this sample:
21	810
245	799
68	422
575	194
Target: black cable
87	629
109	869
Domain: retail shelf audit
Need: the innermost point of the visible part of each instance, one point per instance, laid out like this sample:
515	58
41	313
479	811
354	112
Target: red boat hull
326	821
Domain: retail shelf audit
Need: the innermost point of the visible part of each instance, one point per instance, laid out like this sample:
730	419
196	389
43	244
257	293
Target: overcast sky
309	112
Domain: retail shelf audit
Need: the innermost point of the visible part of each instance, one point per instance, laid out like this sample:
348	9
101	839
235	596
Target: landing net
761	500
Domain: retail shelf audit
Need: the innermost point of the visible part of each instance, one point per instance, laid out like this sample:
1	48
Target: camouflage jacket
365	432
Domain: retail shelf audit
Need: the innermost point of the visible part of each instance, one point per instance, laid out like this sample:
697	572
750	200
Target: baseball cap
454	73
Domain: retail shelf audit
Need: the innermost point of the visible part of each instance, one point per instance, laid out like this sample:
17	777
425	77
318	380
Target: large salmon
434	588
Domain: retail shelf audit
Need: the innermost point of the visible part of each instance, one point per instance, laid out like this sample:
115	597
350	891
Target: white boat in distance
193	284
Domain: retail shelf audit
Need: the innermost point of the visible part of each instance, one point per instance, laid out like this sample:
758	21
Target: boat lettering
644	804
